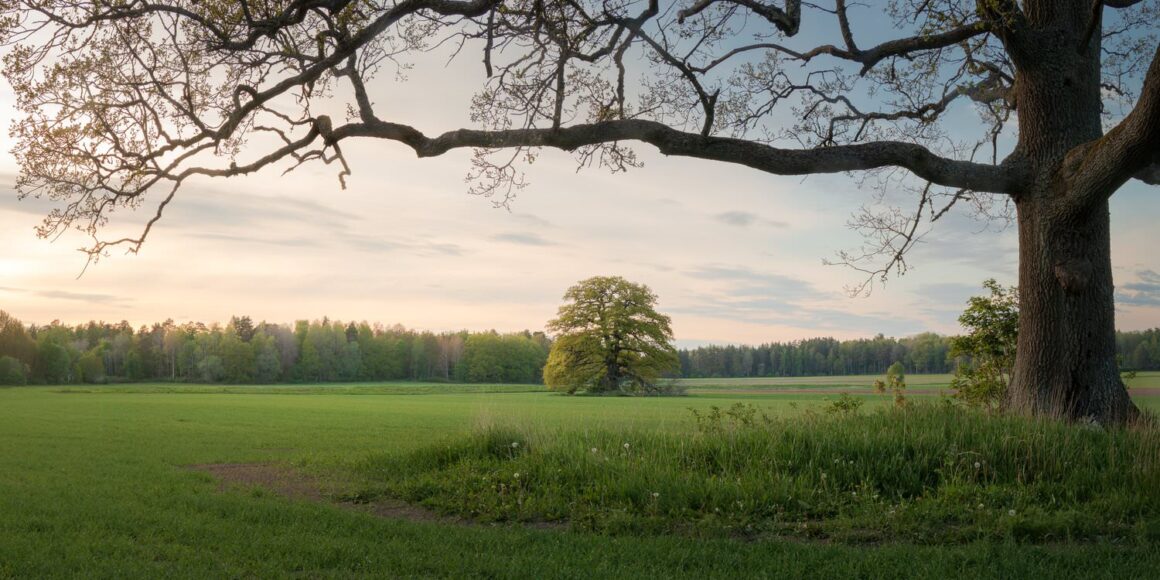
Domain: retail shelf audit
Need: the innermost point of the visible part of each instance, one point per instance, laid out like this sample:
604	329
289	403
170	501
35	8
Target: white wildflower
517	475
978	465
1011	512
515	444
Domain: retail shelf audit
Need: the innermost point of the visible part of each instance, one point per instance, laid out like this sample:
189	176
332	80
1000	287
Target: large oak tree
125	100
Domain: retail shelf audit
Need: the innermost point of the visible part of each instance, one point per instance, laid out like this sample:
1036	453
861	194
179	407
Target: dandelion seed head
626	446
656	494
517	475
1011	512
594	450
515	444
978	465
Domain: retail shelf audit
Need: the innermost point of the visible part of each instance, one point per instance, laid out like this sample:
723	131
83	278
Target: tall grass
931	473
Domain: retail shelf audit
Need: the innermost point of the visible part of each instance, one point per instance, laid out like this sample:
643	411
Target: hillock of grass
928	474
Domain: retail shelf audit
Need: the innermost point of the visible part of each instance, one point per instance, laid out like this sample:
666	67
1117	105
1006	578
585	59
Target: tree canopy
125	101
610	339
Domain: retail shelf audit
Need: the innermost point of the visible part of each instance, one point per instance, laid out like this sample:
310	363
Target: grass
96	485
929	474
854	381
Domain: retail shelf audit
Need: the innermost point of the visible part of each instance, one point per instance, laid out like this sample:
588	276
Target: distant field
1144	388
853	381
381	388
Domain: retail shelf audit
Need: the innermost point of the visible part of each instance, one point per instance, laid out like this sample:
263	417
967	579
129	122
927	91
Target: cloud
524	239
736	218
1145	292
745	219
106	299
281	242
532	220
741	281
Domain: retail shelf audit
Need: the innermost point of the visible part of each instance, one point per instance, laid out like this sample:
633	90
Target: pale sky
734	254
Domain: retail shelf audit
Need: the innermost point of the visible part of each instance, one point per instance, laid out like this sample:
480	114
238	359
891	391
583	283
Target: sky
735	255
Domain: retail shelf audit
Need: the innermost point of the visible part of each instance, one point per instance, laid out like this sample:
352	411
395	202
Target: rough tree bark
1065	362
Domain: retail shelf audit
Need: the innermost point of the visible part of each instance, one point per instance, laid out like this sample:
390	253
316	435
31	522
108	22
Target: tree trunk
1066	352
1065	360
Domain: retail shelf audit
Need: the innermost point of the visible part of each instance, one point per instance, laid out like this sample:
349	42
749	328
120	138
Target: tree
12	372
610	339
989	346
123	102
53	363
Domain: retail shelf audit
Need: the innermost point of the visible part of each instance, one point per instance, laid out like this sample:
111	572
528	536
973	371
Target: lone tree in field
610	339
123	101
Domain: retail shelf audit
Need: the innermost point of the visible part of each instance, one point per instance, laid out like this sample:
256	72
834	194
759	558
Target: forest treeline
243	351
923	353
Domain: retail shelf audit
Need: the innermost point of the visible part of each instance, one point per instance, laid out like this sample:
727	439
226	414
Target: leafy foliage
988	348
12	372
612	339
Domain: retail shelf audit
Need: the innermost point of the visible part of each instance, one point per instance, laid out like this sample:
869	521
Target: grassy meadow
97	482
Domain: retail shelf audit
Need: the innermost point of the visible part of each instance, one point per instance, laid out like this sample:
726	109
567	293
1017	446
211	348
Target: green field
96	482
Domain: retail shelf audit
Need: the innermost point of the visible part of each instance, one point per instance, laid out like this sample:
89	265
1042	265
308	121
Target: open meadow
512	481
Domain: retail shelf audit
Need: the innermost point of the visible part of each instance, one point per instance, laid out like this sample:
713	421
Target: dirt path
294	484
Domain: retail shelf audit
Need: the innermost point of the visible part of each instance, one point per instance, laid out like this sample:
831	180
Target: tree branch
787	20
919	160
1131	149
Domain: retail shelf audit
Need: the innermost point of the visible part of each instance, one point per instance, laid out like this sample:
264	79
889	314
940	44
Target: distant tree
14	339
242	327
53	363
211	369
237	358
987	350
267	359
610	339
90	367
896	373
12	372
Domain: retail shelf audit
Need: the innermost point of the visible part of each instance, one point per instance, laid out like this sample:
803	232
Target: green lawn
95	483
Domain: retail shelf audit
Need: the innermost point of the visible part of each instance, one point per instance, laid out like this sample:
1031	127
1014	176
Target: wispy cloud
736	218
103	299
745	219
1145	292
532	220
523	239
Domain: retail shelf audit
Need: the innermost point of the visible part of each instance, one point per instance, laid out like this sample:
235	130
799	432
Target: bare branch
669	141
1132	148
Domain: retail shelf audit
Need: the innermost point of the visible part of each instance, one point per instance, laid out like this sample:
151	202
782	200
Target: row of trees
923	353
245	352
323	351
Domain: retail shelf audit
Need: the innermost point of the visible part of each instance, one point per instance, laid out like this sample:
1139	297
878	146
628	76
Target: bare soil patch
294	484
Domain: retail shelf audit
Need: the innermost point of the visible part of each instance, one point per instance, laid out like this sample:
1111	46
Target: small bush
844	405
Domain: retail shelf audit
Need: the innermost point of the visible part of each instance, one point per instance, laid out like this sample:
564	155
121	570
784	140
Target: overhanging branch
915	158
